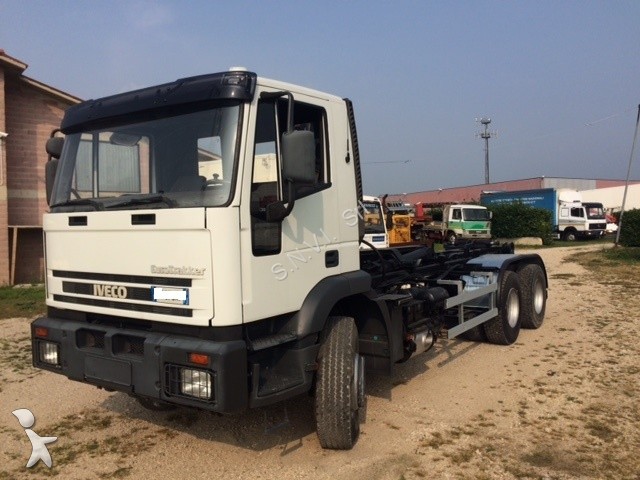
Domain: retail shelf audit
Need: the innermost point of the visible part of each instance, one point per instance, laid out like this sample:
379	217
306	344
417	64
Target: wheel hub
513	308
538	297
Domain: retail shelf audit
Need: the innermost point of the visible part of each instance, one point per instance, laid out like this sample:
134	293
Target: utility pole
486	135
626	183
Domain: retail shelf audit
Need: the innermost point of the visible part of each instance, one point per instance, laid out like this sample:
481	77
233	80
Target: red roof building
471	194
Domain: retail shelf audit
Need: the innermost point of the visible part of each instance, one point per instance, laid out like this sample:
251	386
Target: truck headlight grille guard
188	382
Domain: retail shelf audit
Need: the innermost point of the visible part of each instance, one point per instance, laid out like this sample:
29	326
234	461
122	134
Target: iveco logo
112	291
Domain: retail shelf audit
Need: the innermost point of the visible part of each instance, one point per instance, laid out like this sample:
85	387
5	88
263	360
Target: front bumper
591	233
142	363
474	236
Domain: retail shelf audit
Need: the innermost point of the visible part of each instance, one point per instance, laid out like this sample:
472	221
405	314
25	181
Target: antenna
486	135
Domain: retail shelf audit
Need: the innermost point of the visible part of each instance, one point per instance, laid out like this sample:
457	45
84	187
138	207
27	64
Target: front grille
597	226
133	293
108	291
116	278
134	307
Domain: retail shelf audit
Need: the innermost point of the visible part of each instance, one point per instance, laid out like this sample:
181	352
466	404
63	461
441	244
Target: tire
340	397
533	296
451	238
505	327
476	334
569	236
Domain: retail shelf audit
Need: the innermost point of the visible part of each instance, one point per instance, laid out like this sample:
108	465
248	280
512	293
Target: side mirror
298	167
490	215
54	147
54	150
299	156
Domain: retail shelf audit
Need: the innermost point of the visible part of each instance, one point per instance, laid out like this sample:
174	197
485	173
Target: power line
570	130
389	161
613	115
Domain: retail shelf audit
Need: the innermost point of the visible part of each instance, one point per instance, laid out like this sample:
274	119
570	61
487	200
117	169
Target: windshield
475	214
595	212
184	160
373	221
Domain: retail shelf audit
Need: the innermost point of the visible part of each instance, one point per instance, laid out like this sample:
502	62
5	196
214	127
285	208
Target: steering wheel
75	193
215	182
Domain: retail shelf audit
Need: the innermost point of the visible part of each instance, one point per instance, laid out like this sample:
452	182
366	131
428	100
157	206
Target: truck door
283	261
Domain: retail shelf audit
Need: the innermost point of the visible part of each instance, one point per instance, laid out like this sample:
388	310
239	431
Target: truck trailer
571	218
202	250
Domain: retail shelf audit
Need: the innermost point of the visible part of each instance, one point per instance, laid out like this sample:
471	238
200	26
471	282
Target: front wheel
569	236
451	238
505	327
340	398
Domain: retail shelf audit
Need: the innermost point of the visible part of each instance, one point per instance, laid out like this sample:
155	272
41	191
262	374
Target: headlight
195	383
49	352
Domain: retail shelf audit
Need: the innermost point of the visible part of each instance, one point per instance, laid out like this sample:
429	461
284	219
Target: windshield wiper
144	201
80	201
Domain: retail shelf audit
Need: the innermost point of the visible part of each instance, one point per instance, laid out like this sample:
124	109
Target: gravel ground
561	403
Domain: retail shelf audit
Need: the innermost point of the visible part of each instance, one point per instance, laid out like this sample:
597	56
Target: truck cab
172	211
577	219
460	222
375	226
468	222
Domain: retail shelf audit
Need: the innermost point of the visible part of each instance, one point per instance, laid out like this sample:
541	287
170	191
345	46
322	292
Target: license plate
175	296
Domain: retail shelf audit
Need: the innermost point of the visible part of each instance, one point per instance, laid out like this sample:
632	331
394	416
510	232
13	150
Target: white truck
375	226
459	222
202	250
571	218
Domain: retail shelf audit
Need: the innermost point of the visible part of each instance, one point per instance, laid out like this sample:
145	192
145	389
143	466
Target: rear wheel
340	398
476	334
534	296
505	327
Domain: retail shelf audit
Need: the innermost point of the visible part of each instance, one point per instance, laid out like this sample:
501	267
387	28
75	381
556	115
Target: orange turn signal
41	332
199	358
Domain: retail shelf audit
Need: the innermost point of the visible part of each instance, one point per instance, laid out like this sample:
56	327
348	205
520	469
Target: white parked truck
202	250
459	222
571	218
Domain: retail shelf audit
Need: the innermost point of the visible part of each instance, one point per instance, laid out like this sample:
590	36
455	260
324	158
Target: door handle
331	258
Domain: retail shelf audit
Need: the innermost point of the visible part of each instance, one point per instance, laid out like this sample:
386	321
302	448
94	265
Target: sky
560	80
